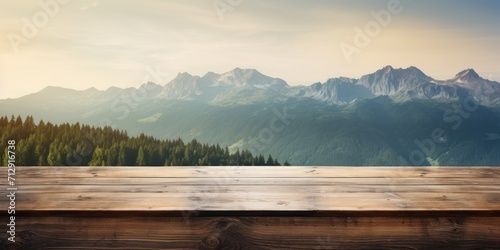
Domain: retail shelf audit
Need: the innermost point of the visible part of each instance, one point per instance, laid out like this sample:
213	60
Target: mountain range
378	119
242	86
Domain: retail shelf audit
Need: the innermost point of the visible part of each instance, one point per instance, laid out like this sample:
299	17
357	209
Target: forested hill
47	144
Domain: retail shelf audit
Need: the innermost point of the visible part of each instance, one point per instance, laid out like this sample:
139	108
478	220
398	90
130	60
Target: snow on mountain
484	91
244	86
217	88
468	75
403	82
249	77
409	83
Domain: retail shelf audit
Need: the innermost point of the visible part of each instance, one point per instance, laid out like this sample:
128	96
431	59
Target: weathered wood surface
256	208
258	189
254	233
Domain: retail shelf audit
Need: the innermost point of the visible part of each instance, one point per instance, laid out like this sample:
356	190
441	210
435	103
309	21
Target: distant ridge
244	86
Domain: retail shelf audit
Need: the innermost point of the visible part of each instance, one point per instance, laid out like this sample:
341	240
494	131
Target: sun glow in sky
103	43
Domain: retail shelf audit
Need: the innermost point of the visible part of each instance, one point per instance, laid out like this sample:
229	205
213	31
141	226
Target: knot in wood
223	225
211	242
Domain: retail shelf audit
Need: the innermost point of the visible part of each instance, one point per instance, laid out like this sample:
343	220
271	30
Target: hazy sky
102	43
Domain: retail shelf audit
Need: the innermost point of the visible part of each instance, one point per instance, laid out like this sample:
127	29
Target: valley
391	117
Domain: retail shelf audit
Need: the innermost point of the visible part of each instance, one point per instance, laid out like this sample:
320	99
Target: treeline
47	144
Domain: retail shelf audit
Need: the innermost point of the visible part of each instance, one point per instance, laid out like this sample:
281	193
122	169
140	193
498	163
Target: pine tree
270	161
141	160
97	157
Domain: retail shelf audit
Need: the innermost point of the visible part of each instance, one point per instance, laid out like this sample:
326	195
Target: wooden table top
328	189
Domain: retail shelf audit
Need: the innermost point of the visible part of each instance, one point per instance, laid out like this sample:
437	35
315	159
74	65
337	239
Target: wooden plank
259	172
255	233
252	200
311	189
359	208
276	181
411	189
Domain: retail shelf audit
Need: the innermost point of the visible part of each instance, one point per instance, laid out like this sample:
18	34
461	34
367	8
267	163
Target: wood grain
258	188
254	233
259	172
256	208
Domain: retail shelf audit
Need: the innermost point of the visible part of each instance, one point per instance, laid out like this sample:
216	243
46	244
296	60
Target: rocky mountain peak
468	75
